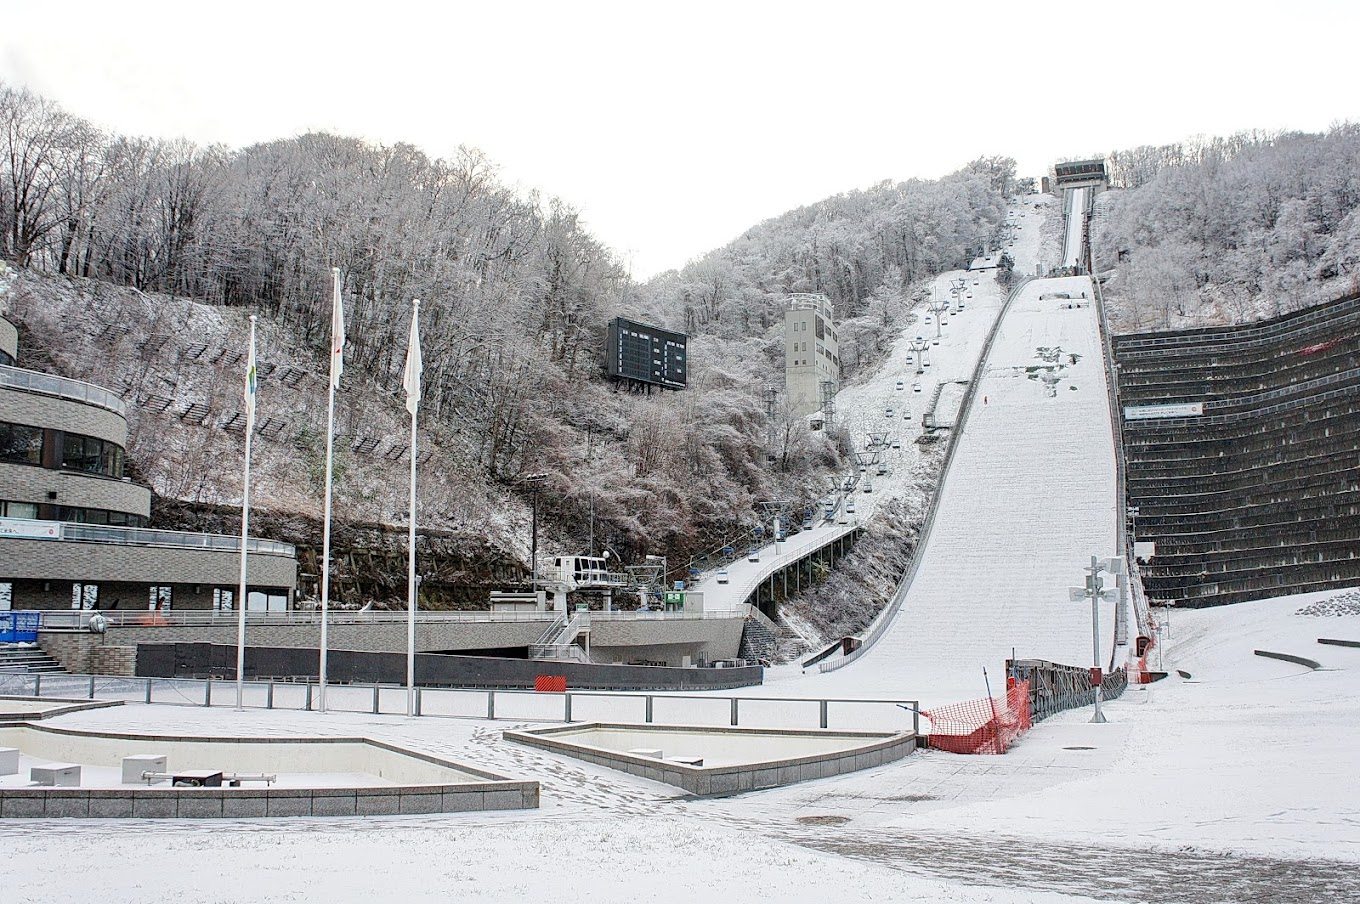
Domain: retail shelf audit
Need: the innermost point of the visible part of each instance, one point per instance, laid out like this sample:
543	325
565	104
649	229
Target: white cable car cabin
578	572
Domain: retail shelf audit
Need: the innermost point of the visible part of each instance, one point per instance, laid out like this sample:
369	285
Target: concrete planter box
418	782
736	759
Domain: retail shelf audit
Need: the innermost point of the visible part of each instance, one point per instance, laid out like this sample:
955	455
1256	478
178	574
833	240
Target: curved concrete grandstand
1241	445
1029	496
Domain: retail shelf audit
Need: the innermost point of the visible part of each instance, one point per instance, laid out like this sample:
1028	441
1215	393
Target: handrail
879	626
19	378
551	631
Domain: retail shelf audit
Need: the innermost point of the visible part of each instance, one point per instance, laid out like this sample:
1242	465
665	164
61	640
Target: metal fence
472	703
80	619
1055	688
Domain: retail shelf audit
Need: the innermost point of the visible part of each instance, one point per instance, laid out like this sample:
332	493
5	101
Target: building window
21	444
222	599
91	455
98	516
264	601
19	510
84	596
160	598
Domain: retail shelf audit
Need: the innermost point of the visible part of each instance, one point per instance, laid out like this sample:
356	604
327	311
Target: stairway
26	660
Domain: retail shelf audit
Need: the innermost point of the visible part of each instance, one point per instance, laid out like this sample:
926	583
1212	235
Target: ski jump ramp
1029	496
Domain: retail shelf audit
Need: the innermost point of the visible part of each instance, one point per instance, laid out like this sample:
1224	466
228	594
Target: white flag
410	380
252	380
337	332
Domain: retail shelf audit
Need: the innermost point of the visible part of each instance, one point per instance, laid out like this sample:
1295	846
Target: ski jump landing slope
1029	497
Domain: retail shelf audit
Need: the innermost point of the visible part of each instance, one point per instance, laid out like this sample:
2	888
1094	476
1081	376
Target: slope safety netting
988	725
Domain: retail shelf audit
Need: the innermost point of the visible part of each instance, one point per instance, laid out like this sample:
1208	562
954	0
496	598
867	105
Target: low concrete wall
255	803
197	660
73	649
478	791
84	653
875	750
379	637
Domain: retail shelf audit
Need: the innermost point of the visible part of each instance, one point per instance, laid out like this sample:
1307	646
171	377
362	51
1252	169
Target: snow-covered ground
1234	784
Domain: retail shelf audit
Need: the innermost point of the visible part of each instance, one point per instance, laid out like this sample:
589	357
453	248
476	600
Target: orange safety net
988	725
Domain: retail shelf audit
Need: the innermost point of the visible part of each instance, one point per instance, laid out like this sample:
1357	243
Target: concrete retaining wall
618	641
197	660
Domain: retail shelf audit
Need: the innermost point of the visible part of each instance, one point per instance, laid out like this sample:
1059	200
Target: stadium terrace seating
1259	495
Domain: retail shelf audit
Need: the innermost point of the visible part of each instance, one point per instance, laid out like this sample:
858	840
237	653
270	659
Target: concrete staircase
26	660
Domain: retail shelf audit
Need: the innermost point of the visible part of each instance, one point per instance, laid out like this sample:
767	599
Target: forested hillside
1230	229
133	252
867	250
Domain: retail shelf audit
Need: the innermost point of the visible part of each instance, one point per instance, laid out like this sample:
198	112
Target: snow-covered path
1029	497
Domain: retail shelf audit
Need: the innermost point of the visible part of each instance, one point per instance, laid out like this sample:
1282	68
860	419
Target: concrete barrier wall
196	660
621	640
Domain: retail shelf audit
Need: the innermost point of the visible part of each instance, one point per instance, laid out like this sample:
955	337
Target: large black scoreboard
645	354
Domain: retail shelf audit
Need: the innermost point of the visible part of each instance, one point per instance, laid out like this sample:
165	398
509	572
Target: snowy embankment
1249	755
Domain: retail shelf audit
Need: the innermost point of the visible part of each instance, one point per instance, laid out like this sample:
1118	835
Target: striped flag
337	331
410	380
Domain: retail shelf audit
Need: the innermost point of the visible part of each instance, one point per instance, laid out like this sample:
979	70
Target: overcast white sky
674	127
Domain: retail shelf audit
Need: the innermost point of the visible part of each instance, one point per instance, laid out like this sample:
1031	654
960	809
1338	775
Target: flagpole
412	403
245	525
336	340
